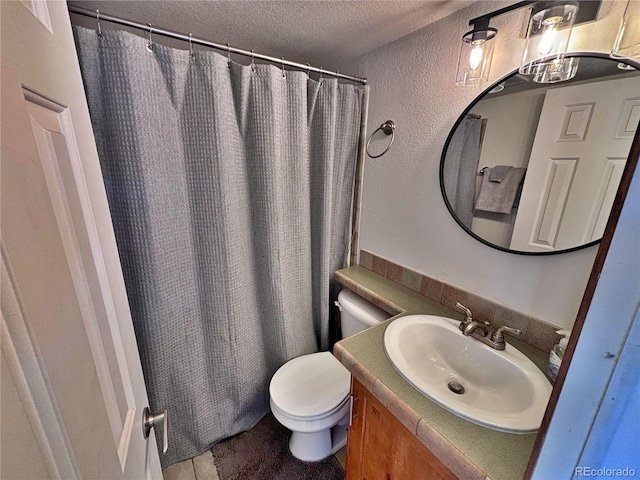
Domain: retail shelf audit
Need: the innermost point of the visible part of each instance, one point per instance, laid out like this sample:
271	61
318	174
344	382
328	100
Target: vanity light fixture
548	36
476	53
498	88
628	40
555	71
626	66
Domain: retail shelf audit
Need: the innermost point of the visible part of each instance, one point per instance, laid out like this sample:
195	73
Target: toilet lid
310	385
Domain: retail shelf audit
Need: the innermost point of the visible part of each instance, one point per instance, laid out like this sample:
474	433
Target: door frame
629	171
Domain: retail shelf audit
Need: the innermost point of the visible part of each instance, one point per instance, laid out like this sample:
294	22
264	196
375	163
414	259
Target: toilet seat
310	387
311	419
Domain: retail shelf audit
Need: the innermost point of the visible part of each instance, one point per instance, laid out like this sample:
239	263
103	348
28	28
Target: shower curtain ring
283	72
100	35
320	78
253	63
308	71
150	41
228	55
191	54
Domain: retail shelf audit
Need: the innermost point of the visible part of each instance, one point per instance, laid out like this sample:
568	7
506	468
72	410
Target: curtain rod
206	43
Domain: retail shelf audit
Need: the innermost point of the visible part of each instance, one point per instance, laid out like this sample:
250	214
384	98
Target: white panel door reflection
556	215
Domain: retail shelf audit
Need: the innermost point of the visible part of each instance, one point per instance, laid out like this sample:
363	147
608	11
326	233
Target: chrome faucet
474	326
480	330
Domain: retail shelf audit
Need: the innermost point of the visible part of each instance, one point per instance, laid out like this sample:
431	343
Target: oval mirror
533	168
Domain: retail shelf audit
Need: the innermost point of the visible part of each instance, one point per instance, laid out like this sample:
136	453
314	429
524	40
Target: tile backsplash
534	332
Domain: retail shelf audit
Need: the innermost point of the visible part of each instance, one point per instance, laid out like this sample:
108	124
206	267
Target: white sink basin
503	390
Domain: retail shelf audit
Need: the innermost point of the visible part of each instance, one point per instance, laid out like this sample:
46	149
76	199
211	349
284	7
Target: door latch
149	421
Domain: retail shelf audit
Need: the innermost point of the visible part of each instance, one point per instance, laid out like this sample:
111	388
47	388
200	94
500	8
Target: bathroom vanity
380	446
395	430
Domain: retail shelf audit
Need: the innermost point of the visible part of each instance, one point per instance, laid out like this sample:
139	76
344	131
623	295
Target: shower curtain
460	168
230	189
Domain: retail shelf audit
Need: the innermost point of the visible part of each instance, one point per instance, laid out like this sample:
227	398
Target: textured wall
403	215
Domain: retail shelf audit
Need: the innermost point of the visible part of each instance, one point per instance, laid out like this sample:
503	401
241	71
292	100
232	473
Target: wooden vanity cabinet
380	447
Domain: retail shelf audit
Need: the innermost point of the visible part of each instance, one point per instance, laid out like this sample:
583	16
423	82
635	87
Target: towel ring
388	128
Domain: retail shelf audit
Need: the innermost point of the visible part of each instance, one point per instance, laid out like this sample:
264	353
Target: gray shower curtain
460	168
230	191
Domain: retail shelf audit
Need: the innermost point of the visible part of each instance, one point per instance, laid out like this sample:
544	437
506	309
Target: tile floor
341	456
202	467
196	468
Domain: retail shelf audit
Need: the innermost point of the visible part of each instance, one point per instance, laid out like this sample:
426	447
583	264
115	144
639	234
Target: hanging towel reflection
501	192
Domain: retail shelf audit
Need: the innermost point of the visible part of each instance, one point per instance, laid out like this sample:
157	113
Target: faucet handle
468	316
498	336
465	310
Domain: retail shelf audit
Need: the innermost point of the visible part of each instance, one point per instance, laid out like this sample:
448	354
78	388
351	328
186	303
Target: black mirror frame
459	120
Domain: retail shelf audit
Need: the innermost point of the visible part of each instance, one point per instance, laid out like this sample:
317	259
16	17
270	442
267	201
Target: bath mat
262	453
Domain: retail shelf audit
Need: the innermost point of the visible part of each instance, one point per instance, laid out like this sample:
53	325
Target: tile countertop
468	450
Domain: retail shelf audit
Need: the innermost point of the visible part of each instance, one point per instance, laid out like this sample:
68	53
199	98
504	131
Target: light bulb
475	57
547	41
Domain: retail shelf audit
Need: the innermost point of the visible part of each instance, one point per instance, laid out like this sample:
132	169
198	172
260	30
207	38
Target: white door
581	146
67	334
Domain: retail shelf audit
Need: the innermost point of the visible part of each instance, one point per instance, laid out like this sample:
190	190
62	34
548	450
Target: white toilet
310	394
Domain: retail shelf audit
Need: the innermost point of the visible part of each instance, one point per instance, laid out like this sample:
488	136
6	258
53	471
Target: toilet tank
356	314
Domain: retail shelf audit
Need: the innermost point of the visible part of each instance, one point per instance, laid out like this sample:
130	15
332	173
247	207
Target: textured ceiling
323	33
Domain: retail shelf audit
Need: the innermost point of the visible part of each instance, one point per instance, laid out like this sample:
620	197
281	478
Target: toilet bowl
310	394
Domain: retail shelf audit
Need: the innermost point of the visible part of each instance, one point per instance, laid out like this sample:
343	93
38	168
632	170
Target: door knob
149	421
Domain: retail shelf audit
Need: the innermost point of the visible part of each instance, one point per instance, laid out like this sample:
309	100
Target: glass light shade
624	66
476	53
628	40
557	71
498	88
547	36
